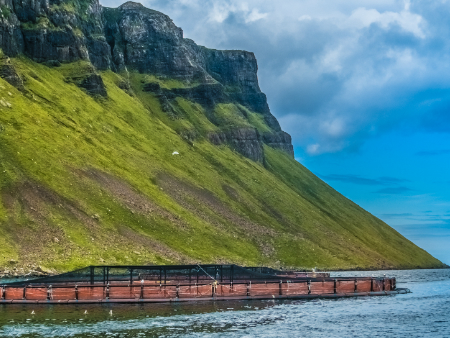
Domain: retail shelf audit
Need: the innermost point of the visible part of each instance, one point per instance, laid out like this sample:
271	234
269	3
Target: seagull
110	312
32	312
85	312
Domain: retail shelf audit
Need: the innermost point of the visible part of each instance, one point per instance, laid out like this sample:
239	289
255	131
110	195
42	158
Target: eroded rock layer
132	37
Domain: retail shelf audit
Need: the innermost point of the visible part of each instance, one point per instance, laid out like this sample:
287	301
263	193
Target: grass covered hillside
116	180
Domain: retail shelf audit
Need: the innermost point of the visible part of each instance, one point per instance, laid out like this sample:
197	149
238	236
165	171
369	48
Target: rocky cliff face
132	37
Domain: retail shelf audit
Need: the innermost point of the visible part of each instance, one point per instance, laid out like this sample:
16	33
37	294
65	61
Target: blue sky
362	86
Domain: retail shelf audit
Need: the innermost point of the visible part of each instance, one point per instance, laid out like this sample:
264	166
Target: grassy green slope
93	181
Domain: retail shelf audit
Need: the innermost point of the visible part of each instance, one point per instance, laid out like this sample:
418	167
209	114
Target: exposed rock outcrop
88	79
9	73
246	141
207	95
279	140
134	37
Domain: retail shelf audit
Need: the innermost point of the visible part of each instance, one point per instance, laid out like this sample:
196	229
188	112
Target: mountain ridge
124	143
133	36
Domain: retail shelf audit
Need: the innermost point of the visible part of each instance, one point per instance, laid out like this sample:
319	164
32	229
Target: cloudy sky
362	86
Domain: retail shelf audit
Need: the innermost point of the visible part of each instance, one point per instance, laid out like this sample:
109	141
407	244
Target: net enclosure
167	283
163	274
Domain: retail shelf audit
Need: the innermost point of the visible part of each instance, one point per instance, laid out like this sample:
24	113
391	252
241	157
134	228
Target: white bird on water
85	312
110	312
32	312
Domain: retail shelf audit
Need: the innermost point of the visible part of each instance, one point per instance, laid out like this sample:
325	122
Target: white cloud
255	15
313	149
334	127
409	22
220	11
305	18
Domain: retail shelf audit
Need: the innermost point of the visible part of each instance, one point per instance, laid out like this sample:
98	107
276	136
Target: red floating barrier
195	291
14	293
364	285
124	292
319	288
169	291
387	284
185	282
345	286
266	289
377	285
153	292
231	290
63	293
91	293
290	289
36	293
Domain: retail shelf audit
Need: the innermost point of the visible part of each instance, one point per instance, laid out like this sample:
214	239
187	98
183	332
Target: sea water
423	313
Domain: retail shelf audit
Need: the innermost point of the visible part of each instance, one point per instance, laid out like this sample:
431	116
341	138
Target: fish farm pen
167	283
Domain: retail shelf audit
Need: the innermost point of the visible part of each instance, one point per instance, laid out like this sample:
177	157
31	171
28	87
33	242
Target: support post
131	276
371	285
49	292
24	292
248	289
309	286
356	285
76	292
165	275
335	286
281	288
92	274
3	292
178	291
107	291
107	275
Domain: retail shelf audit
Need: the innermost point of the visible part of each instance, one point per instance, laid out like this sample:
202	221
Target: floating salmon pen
153	284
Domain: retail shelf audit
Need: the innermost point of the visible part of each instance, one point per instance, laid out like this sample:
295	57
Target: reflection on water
424	313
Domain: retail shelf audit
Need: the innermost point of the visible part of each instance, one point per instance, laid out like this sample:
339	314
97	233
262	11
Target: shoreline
43	274
385	269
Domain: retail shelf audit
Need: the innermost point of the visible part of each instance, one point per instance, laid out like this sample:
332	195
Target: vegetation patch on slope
88	180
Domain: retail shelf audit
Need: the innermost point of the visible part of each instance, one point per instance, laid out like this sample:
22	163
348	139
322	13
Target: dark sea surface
423	313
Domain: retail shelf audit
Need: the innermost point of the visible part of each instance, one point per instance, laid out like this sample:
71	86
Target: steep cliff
149	42
123	142
135	38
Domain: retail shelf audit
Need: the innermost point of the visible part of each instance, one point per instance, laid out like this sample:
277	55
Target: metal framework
162	274
166	283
